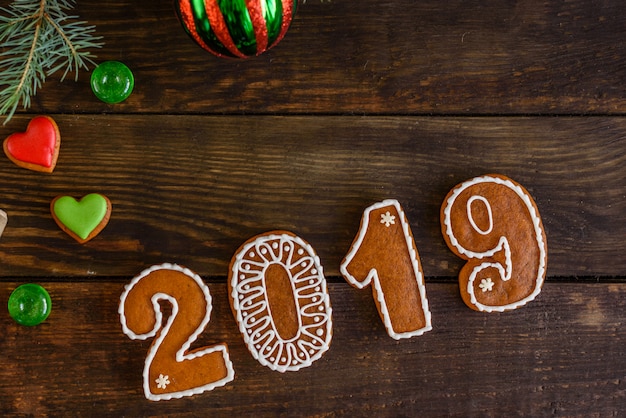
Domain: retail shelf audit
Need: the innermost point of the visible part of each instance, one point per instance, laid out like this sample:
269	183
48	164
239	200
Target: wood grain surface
527	362
383	56
361	101
191	189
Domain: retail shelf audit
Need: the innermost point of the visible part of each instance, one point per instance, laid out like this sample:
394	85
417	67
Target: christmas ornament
236	28
39	38
29	304
112	82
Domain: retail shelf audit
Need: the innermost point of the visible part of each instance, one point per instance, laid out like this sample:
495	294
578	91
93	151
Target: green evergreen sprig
37	39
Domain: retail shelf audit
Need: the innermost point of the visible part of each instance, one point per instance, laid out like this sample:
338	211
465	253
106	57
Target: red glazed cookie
384	254
171	369
36	149
494	224
82	219
279	299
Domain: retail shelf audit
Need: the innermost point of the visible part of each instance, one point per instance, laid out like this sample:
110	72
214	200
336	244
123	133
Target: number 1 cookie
384	253
494	224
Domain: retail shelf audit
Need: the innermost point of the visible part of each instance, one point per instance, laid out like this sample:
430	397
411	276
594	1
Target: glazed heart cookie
36	149
82	219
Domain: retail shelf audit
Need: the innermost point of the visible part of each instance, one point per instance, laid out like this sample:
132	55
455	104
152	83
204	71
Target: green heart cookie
84	217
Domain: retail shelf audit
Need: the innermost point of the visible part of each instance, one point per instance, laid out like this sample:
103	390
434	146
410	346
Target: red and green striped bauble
236	28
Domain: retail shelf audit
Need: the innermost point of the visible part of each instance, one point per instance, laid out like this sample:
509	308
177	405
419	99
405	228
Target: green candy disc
29	304
112	82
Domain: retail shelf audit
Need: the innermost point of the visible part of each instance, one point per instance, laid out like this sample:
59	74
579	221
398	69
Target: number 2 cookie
384	254
494	224
171	369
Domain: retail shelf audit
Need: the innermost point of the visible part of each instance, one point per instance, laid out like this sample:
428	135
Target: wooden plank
192	189
560	355
377	56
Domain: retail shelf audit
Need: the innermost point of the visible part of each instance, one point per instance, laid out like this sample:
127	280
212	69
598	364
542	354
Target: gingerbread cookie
36	149
384	253
171	369
83	219
3	221
279	299
494	224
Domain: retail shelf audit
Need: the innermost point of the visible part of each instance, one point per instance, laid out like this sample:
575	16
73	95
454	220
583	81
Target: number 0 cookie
494	224
279	299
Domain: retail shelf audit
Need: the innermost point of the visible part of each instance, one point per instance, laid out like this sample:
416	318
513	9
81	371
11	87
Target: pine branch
38	38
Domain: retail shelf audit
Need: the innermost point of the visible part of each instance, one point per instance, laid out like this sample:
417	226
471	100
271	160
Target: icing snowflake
162	381
387	219
486	285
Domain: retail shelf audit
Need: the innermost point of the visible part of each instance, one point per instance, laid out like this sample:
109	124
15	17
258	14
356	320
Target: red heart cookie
36	149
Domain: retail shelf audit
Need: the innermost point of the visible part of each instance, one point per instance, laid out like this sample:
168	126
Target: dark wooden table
362	101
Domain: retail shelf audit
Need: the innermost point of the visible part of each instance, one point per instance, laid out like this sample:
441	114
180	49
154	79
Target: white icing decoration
470	216
297	257
503	244
486	284
373	274
162	381
387	219
181	354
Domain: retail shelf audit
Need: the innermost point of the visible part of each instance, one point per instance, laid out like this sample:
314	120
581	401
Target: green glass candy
112	82
29	304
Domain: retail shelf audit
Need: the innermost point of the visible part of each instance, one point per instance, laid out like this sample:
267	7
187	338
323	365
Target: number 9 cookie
494	224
